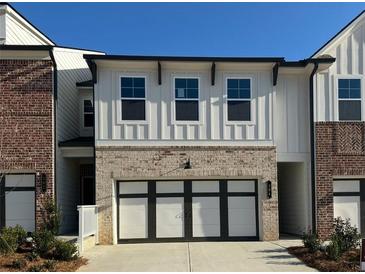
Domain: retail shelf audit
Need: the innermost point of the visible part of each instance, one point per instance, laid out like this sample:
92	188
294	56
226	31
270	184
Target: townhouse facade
182	148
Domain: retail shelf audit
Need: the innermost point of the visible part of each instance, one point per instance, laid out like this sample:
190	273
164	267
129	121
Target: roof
305	62
338	33
78	142
88	83
26	47
184	58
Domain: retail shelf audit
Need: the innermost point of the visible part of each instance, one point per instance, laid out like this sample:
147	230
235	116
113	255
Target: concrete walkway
195	256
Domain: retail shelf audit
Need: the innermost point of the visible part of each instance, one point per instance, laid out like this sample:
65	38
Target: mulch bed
349	262
59	266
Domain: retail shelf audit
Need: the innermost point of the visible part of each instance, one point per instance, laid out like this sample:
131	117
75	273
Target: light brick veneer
123	163
340	151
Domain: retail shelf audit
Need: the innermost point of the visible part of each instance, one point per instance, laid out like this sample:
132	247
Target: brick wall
26	114
340	151
114	163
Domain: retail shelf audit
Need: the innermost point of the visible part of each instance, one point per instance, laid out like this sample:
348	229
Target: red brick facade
26	120
340	151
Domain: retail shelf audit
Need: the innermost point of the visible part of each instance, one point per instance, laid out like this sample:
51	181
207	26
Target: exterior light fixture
43	181
187	164
269	189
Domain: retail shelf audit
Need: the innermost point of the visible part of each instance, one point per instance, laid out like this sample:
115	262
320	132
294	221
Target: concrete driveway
194	256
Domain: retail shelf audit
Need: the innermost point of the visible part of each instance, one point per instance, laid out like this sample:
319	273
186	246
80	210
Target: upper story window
187	99
238	99
133	96
349	99
88	113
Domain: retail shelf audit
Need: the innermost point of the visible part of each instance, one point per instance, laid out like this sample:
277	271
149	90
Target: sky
291	30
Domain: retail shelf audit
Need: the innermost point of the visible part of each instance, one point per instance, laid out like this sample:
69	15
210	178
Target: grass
349	262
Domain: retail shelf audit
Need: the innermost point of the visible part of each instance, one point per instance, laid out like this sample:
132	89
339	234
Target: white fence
88	224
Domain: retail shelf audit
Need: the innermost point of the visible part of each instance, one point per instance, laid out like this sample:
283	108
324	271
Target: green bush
65	251
311	241
346	236
44	242
32	256
18	264
51	216
36	268
334	250
11	238
49	265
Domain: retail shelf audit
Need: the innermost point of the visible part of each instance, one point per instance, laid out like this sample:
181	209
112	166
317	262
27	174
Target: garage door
187	210
17	199
346	201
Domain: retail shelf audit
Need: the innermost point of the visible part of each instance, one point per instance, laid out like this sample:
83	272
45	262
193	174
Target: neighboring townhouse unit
40	106
182	148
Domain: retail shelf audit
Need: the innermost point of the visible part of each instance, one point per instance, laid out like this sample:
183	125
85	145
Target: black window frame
349	99
238	99
186	99
85	113
133	99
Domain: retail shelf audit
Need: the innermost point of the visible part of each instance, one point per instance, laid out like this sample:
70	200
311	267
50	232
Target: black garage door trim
188	225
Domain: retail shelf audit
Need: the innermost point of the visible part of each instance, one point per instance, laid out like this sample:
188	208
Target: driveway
194	256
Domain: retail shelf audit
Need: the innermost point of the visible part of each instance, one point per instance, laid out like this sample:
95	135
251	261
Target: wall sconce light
187	164
43	181
269	189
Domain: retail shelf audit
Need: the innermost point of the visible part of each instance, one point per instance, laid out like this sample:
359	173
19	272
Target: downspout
312	143
55	94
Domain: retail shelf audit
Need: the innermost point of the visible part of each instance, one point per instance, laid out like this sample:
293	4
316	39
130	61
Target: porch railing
88	225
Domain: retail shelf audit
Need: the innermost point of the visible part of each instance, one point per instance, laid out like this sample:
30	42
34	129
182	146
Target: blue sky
290	30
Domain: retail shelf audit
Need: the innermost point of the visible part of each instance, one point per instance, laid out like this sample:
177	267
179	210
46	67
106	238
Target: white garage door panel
133	216
170	187
205	186
206	217
348	207
241	186
170	217
17	180
241	216
346	186
133	187
20	209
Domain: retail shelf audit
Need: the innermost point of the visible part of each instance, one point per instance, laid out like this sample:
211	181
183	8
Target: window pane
343	83
244	83
88	106
187	110
88	120
192	83
245	93
239	110
127	92
354	83
343	93
232	83
232	93
139	93
180	83
355	93
133	110
138	82
127	82
180	93
349	110
192	93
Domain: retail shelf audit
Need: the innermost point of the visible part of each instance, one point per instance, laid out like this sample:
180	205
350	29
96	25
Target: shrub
11	238
311	241
346	236
334	250
35	268
32	256
44	242
18	264
51	216
65	251
50	265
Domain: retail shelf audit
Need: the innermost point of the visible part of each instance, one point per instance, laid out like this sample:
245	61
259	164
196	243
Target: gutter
55	94
313	148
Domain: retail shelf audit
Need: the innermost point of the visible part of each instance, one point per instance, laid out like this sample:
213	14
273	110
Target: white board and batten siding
160	124
348	49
